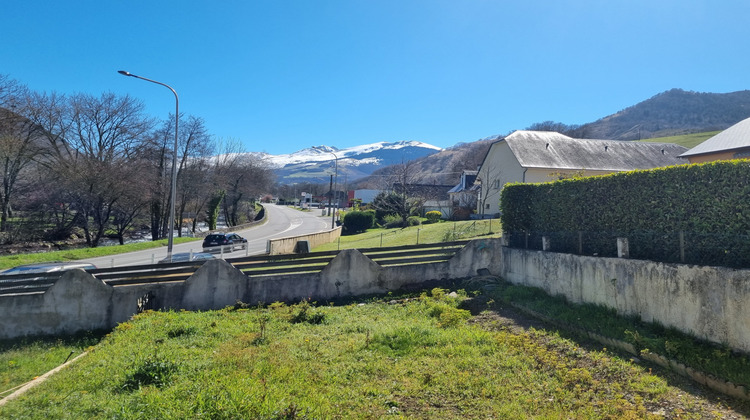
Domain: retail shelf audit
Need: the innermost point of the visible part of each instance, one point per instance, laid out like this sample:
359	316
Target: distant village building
365	196
464	196
541	156
430	197
732	143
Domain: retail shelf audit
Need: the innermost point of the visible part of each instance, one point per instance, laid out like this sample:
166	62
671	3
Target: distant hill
671	113
442	168
675	116
317	164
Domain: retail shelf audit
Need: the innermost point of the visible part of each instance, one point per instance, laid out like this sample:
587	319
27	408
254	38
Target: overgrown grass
24	359
83	253
686	140
717	360
412	357
428	234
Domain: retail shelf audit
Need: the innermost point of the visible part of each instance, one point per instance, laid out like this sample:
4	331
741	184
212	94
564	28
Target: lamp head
124	73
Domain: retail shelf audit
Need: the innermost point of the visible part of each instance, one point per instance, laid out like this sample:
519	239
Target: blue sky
279	76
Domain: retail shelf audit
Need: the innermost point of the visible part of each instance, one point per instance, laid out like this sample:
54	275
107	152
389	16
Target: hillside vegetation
685	140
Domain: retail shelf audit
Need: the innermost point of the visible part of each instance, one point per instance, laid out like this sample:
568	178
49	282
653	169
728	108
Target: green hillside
686	140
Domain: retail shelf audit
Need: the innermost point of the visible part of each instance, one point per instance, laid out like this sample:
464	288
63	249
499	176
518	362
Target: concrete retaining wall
79	301
707	302
287	245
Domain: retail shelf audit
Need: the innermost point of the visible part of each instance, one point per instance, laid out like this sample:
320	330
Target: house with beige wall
543	156
732	143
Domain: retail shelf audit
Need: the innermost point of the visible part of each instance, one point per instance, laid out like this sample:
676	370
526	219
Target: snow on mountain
326	153
314	163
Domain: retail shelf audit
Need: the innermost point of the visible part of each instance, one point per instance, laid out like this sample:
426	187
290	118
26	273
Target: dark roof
734	137
544	149
467	181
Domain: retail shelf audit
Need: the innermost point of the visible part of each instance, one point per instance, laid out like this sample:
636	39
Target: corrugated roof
544	149
734	137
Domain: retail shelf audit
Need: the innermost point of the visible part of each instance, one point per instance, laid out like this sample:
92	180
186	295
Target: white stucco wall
499	168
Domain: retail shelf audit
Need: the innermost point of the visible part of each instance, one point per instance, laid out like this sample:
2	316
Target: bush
433	216
358	221
706	202
392	221
413	221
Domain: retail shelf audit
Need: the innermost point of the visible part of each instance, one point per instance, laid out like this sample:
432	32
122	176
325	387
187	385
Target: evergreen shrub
705	203
358	221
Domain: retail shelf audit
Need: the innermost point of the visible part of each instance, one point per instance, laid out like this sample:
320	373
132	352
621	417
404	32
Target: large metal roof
734	137
544	149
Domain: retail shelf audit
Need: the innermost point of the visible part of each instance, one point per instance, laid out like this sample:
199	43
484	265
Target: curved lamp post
335	182
173	193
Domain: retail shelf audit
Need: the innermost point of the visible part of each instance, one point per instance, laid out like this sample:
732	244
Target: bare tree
94	153
20	143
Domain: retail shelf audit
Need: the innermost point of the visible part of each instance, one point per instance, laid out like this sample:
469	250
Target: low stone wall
707	302
79	301
288	245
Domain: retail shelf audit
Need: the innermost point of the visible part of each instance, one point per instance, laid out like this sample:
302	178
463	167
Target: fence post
526	239
580	242
418	236
545	243
381	239
682	246
623	248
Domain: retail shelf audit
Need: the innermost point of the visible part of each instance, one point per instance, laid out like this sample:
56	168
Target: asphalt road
282	222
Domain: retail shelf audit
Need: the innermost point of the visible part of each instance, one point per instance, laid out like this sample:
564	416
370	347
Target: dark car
188	256
226	242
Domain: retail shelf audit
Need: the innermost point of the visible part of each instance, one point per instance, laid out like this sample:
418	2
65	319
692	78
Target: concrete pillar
623	248
546	242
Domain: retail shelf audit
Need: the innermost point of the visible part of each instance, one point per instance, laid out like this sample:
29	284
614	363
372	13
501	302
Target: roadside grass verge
401	356
428	234
9	261
704	356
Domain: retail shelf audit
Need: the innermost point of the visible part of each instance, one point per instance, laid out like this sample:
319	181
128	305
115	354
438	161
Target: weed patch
149	372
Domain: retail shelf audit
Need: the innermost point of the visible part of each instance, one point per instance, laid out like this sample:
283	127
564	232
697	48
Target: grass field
686	140
423	234
393	357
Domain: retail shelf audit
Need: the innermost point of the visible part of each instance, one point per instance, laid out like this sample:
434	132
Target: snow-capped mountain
316	164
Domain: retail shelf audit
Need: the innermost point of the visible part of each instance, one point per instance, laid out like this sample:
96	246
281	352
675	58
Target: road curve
282	222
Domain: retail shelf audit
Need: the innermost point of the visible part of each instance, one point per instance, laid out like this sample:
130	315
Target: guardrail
261	265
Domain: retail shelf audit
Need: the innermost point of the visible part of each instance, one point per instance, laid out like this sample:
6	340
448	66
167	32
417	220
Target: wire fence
728	249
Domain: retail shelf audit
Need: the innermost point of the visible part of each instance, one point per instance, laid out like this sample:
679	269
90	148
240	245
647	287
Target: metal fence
727	249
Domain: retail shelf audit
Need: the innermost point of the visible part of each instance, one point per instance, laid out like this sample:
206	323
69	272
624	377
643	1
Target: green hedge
709	203
358	221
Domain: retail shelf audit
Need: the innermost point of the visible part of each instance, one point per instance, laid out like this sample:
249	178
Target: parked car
226	242
188	256
48	267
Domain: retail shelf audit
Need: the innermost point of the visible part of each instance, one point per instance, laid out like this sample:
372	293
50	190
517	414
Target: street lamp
335	182
173	194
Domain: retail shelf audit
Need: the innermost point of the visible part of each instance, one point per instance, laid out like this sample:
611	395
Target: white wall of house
499	168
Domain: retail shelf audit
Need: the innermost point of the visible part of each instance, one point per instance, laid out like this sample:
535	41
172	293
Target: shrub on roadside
433	216
391	221
358	221
413	221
